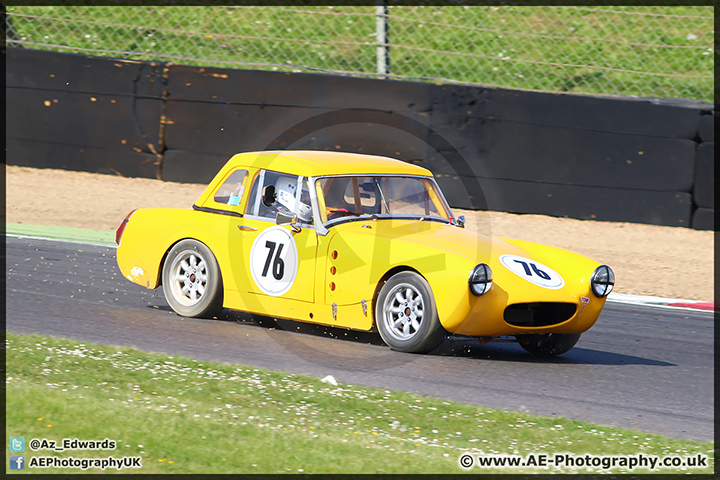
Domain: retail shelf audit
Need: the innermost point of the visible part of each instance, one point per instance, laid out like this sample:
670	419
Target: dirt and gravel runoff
671	262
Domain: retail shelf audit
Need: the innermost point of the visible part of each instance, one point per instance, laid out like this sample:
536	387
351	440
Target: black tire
406	316
191	280
548	344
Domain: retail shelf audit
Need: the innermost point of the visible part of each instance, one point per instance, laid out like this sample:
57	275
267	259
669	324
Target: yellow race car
361	242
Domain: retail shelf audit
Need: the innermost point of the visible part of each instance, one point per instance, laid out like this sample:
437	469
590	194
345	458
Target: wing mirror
285	219
269	196
460	221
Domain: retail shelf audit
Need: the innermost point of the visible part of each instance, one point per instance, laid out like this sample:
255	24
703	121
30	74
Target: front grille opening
538	314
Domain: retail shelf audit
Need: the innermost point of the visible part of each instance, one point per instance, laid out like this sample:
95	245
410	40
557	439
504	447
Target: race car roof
312	163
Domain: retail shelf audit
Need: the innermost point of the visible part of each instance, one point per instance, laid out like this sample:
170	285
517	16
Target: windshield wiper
345	212
363	214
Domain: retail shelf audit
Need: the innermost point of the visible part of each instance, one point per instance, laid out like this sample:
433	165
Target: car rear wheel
406	315
548	344
191	280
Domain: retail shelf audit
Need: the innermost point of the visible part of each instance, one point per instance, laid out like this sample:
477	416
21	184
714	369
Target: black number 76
539	272
278	265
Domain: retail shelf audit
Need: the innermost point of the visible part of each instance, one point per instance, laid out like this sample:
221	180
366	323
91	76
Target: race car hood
472	244
412	242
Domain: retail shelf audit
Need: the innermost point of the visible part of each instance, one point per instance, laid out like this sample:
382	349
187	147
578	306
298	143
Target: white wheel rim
403	311
188	278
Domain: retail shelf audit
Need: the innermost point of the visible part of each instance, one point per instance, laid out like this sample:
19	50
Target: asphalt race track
639	367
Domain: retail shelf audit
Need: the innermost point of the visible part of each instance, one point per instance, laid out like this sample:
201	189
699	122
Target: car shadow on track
356	336
513	352
452	347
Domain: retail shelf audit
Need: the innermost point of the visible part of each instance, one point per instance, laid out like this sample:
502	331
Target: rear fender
151	233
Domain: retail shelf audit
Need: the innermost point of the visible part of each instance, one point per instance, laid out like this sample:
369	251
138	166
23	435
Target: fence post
11	35
381	32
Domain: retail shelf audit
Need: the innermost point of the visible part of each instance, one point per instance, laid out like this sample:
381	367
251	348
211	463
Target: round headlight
602	281
480	279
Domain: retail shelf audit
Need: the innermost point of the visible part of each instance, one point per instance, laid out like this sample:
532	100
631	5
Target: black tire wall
627	159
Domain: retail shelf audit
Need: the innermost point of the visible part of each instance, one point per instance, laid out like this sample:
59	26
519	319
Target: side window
281	194
231	191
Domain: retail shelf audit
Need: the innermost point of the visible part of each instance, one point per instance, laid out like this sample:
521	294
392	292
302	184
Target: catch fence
649	51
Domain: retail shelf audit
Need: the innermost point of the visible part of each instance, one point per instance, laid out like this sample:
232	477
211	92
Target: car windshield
380	196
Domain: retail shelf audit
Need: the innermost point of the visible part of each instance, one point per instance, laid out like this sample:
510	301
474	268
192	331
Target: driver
287	198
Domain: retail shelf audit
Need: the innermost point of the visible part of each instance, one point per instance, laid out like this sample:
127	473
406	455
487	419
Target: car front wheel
548	344
191	280
406	315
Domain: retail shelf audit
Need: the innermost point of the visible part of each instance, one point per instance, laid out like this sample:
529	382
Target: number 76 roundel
533	271
274	261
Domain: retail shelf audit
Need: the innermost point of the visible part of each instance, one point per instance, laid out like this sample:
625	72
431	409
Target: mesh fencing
651	51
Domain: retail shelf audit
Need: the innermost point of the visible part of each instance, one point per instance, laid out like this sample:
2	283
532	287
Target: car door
276	260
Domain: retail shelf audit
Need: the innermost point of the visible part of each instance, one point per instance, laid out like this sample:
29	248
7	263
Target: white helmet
287	197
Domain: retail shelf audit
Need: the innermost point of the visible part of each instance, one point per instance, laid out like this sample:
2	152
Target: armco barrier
217	111
593	202
704	187
83	113
588	157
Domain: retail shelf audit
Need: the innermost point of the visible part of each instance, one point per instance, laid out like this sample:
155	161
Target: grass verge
71	234
188	416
